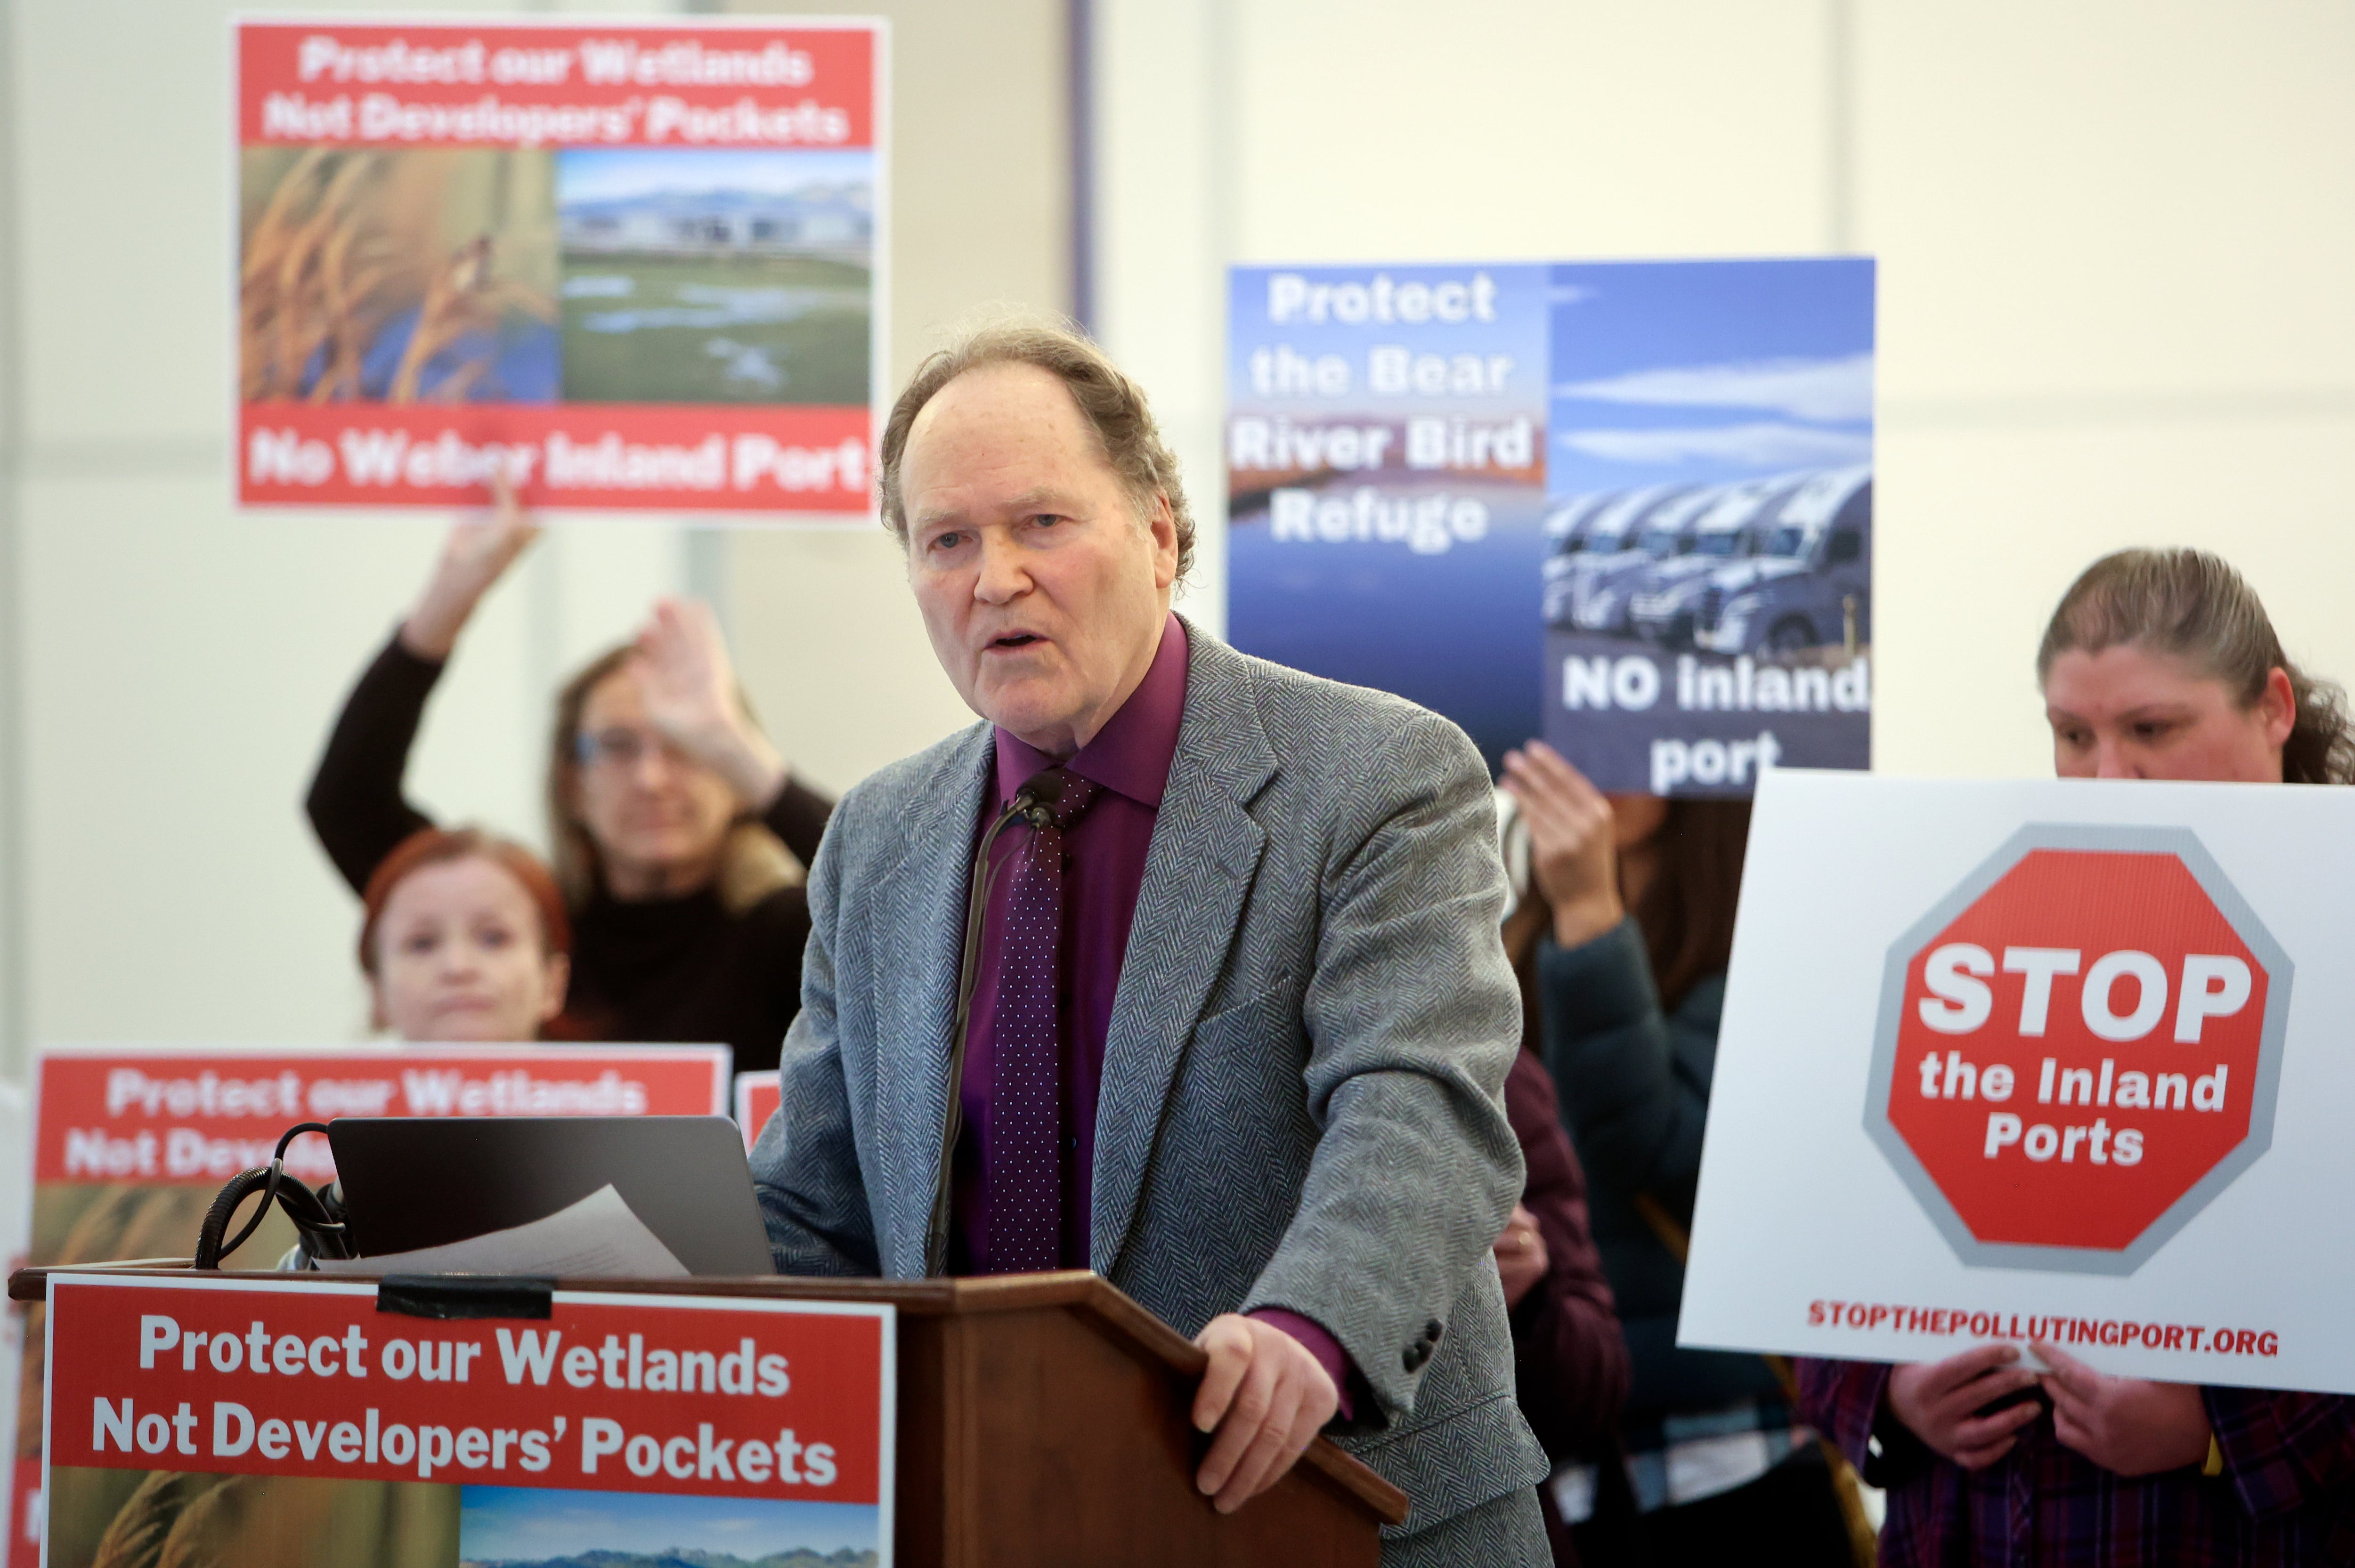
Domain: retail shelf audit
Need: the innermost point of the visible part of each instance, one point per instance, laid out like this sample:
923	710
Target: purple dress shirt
1104	871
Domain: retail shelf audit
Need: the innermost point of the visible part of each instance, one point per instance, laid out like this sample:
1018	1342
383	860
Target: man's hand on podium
1266	1396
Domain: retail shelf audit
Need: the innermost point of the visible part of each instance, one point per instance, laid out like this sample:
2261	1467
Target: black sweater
660	969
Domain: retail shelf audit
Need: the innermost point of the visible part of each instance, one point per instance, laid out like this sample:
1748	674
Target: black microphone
1035	801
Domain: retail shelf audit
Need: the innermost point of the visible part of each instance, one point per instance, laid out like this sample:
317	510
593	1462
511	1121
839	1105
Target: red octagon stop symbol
2078	1048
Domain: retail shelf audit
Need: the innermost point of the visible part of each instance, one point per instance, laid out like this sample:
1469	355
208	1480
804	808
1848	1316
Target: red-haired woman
464	938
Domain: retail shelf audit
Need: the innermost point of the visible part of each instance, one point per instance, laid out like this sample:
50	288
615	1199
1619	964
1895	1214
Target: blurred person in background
1570	1359
464	938
2156	664
1624	951
676	825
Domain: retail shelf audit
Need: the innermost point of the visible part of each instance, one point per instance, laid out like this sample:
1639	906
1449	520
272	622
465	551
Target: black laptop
413	1181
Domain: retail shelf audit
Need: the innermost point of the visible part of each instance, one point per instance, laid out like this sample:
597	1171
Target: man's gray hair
1112	405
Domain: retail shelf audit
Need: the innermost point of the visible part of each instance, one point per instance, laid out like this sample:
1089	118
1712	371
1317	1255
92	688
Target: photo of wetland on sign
704	276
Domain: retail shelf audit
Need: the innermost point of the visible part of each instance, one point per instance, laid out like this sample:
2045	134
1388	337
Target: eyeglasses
621	749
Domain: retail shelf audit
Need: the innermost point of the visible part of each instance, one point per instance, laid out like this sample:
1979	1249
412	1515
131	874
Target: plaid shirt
2287	1495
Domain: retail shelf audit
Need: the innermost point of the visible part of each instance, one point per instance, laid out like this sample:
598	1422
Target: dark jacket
1633	1083
1569	1361
685	970
1567	1349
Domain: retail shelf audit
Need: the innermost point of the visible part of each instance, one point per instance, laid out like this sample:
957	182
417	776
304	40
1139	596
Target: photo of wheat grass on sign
417	276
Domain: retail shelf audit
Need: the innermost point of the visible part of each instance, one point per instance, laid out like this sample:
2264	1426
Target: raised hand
481	547
1572	853
2126	1424
1265	1395
1939	1401
691	697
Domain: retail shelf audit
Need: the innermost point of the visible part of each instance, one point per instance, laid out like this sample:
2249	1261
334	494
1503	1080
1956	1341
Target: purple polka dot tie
1025	1167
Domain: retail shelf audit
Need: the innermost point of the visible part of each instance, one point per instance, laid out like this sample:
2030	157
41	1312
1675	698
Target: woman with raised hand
2158	664
671	815
1625	984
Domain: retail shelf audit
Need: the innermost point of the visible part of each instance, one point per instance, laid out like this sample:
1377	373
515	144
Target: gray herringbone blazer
1302	1095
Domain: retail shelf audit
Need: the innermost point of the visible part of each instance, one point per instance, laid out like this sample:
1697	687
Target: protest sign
130	1144
757	1097
635	265
294	1419
1626	507
1386	482
2049	1060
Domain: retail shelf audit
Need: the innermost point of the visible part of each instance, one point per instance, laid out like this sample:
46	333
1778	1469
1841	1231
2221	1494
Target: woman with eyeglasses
676	826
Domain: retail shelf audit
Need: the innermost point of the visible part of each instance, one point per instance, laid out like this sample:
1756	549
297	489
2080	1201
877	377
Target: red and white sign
529	83
636	266
172	1116
162	1118
720	1397
2079	1047
2053	1060
757	1098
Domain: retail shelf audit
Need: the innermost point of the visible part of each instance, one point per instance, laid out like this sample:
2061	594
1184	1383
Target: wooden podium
1043	1420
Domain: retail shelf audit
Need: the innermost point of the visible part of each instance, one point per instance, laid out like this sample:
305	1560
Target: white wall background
827	636
2115	239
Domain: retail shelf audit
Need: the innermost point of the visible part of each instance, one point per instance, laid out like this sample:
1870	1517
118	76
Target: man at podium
1181	965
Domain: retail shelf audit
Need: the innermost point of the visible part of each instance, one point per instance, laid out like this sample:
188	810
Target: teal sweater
1634	1082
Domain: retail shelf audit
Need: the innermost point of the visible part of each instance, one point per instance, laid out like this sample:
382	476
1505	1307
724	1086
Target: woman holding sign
2158	664
671	814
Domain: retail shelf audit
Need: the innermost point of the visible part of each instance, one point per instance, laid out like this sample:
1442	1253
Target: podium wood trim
986	1369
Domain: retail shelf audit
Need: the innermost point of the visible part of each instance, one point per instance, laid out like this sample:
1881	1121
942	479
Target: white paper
600	1237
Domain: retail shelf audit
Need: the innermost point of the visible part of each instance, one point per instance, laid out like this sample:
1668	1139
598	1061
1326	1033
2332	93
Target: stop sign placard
2078	1047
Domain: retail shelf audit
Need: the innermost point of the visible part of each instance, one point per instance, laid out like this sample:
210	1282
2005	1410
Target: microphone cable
318	1215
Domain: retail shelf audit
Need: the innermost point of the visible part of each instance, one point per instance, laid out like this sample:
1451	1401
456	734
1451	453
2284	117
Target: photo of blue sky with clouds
522	1524
595	175
1700	372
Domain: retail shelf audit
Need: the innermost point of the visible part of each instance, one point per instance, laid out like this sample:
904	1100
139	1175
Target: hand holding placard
2129	1426
1573	855
1939	1402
